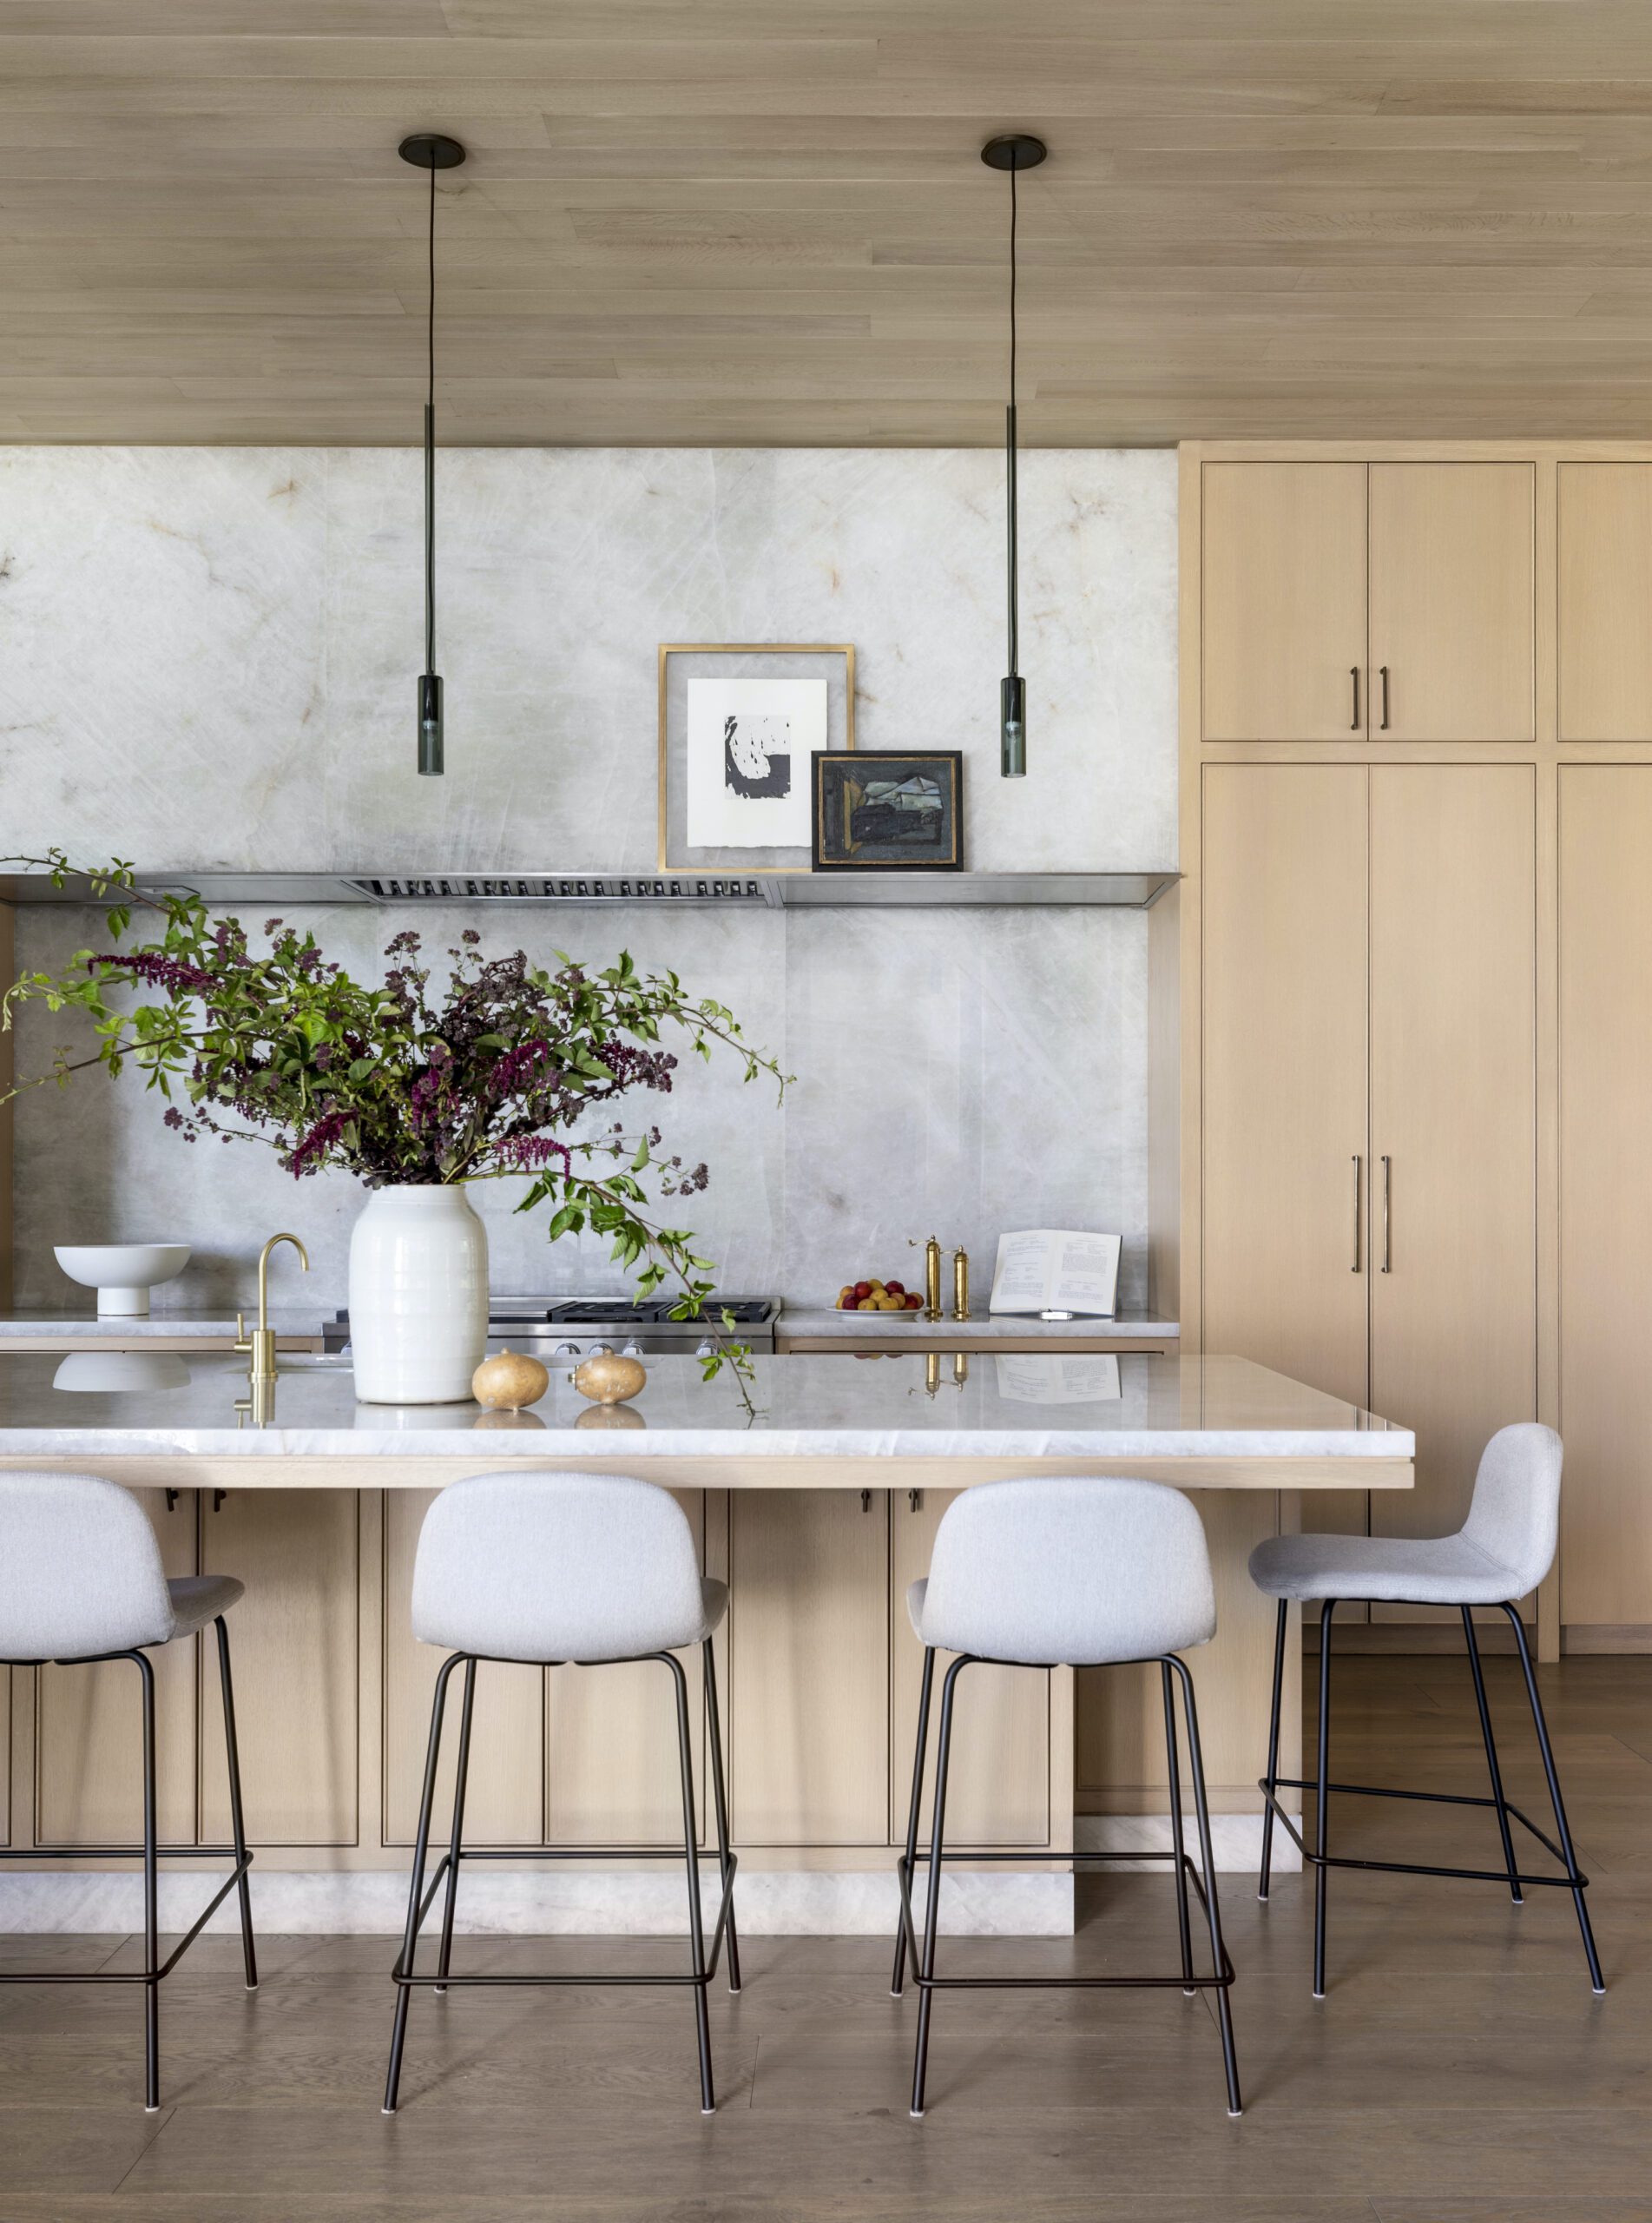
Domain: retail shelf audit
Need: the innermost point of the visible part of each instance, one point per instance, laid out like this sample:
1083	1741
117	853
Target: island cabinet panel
808	1667
1453	1124
611	1765
1284	601
1285	1173
1605	590
505	1797
1452	602
1606	1221
998	1789
294	1639
88	1725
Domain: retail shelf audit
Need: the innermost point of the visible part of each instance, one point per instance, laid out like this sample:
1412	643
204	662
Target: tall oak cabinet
1405	1141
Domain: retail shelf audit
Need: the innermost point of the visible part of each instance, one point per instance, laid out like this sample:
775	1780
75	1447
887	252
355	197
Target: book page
1085	1275
1021	1281
1074	1378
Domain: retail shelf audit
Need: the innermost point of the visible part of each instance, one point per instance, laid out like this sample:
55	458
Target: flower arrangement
484	1078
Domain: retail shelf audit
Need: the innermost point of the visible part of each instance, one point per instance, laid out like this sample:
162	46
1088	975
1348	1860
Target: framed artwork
902	811
739	724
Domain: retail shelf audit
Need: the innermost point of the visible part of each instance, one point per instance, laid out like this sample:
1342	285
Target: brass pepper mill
960	1286
933	1280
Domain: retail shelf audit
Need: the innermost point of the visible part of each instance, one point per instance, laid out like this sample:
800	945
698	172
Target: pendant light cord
1010	445
429	447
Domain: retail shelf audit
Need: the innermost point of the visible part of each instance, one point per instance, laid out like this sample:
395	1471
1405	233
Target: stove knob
633	1350
602	1350
566	1351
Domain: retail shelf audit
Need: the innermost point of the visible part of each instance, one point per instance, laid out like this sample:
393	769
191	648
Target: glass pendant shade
1012	726
430	726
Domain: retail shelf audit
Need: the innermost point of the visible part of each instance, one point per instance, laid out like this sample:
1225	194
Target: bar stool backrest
80	1569
1515	1516
1071	1572
557	1567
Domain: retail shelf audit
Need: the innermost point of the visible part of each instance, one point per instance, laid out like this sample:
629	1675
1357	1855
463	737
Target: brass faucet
259	1346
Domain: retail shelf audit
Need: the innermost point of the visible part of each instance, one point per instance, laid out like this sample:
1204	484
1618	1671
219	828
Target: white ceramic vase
418	1296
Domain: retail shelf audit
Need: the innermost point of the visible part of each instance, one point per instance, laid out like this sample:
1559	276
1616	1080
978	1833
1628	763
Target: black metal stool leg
933	1916
151	1906
1595	1977
237	1818
461	1780
1265	1874
1322	1798
719	1797
696	1926
1496	1772
1207	1862
897	1982
416	1884
1173	1768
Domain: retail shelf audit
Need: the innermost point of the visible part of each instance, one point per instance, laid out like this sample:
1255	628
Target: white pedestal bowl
122	1273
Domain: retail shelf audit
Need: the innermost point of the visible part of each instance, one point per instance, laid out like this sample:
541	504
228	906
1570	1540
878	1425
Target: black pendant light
429	150
1014	152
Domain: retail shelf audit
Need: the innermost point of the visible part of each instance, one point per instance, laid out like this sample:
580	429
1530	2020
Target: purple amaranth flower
526	1153
308	1152
517	1068
159	971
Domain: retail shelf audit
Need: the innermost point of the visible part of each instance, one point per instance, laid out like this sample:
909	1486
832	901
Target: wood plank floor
1460	2070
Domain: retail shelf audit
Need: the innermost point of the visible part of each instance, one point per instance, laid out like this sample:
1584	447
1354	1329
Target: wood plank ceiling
764	220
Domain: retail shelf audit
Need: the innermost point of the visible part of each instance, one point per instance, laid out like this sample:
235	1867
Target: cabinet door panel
1453	1096
1285	1268
1284	601
1452	601
1606	1197
998	1789
294	1646
808	1682
88	1725
612	1769
505	1800
1605	590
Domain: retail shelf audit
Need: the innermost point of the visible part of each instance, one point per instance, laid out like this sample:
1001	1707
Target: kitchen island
818	1506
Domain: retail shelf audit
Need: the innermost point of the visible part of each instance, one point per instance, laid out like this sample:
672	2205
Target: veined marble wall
208	657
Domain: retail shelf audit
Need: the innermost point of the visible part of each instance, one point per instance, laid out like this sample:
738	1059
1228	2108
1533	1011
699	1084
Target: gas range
574	1326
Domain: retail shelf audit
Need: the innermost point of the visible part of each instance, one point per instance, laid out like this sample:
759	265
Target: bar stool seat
1411	1570
81	1581
548	1570
1071	1572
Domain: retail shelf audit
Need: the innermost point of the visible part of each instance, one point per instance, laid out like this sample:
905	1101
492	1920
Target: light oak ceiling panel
765	220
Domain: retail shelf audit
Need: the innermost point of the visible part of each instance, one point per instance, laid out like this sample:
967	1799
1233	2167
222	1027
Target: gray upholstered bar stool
81	1581
547	1569
1087	1572
1501	1553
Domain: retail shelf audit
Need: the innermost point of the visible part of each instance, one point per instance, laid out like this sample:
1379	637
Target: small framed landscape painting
738	726
904	812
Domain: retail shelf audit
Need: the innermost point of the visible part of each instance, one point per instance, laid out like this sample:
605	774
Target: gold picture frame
744	648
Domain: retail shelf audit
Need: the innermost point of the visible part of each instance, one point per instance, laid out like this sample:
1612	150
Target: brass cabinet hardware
218	1497
1356	1212
866	1501
1384	675
914	1499
1353	674
172	1500
1387	1168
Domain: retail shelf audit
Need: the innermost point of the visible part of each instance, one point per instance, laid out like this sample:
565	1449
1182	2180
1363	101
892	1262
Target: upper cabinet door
1452	601
1605	592
1284	601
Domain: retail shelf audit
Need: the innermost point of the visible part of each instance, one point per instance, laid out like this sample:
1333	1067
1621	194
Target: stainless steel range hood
778	891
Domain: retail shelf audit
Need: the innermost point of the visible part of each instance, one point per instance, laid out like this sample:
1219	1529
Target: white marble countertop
210	1327
941	1335
1017	1406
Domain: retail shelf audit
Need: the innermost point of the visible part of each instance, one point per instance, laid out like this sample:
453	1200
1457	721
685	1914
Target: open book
1053	1269
1064	1378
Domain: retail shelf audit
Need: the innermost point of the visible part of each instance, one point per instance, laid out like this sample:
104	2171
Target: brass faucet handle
243	1341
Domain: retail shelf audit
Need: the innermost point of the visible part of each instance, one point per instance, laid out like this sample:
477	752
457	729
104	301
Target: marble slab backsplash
958	1073
207	658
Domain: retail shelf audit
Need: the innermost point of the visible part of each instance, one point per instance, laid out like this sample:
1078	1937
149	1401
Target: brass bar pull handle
1356	1212
1387	1169
1354	673
1384	698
